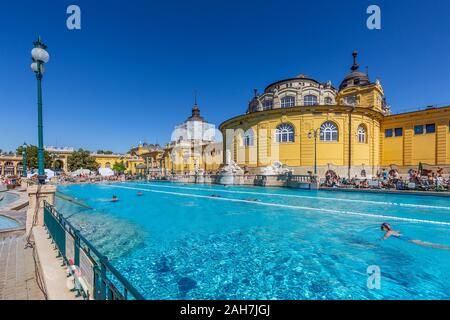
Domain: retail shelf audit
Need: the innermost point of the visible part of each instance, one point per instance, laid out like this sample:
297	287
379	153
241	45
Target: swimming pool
7	198
7	223
213	242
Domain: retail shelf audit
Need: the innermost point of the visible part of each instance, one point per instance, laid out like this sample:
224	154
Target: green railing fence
95	277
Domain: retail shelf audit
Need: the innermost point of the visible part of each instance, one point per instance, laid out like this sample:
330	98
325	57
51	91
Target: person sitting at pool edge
389	232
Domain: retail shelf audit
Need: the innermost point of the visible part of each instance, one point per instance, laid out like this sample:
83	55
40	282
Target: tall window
310	100
329	131
284	133
268	104
288	101
248	138
362	134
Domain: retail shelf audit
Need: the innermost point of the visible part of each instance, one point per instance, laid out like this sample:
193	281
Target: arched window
329	131
108	165
248	138
288	101
362	134
310	100
9	169
328	100
284	133
268	103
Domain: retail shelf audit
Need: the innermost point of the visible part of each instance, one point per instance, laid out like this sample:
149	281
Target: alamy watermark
374	277
73	21
374	20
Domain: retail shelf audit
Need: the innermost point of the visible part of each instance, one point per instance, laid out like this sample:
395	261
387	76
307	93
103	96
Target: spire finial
195	108
355	65
255	92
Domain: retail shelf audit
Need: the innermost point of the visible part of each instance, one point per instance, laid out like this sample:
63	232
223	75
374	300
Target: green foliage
104	152
81	159
119	167
32	156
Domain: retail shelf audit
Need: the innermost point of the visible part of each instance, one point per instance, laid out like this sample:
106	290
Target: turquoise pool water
213	242
7	223
7	198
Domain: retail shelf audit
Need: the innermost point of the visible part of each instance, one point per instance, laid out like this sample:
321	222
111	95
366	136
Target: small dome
196	114
355	78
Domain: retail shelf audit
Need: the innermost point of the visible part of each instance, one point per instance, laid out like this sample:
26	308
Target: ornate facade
349	130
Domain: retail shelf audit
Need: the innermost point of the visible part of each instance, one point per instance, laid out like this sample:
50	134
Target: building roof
356	77
196	114
298	77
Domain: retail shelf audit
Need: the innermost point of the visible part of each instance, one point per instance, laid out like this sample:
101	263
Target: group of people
424	180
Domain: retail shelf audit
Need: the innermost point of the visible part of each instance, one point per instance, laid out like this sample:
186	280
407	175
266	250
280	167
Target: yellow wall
301	152
411	148
130	162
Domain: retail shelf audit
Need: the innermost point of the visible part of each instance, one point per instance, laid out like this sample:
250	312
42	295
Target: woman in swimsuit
389	232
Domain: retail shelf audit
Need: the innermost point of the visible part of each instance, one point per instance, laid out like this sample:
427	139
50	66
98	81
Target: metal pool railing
95	277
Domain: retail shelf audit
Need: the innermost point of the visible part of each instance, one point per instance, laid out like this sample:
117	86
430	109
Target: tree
119	167
32	156
104	152
81	159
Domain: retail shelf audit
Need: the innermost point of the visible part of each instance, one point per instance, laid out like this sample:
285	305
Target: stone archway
58	165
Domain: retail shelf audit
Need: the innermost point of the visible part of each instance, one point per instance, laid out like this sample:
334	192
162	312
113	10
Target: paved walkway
17	274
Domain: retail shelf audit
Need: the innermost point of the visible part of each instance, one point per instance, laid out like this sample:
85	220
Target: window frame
315	101
421	131
265	104
283	134
329	132
398	135
388	133
287	102
362	134
428	125
249	138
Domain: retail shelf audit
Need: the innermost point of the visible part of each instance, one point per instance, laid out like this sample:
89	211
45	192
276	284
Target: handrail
101	264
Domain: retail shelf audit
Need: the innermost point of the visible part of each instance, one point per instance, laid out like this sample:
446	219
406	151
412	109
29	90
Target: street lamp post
40	56
24	160
314	133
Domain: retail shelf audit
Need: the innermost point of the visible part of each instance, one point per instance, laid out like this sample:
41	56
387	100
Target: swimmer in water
114	198
215	196
252	199
389	232
139	193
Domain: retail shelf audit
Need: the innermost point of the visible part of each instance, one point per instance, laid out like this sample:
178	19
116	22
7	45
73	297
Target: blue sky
129	74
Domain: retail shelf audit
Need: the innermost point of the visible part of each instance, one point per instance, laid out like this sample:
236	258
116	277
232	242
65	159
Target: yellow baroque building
300	122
